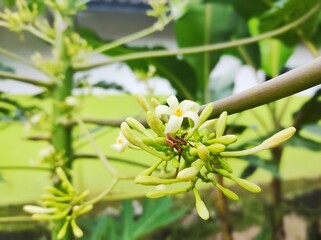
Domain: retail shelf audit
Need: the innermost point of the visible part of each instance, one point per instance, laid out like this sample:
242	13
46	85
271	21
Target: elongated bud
221	124
222	172
63	230
209	125
129	135
63	177
216	148
206	113
76	229
175	162
193	151
84	209
203	153
82	196
40	210
200	206
134	124
188	174
154	102
227	192
225	165
252	187
143	102
278	138
55	191
155	123
226	139
151	180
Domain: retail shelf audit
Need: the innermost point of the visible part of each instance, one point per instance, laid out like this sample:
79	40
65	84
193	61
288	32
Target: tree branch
199	49
287	84
32	81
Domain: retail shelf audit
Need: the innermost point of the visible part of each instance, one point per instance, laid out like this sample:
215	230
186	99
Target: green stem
16	57
100	154
199	49
16	219
36	82
39	34
104	193
129	38
31	168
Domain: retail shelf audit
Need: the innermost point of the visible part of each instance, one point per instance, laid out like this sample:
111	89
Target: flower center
120	141
178	112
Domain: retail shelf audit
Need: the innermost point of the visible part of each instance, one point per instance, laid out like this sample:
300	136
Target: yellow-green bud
155	123
84	209
134	124
63	230
206	113
41	210
209	124
188	174
151	180
143	102
193	151
226	139
216	148
228	193
175	162
129	135
200	206
225	165
222	172
252	187
278	138
55	191
203	153
75	229
154	102
221	124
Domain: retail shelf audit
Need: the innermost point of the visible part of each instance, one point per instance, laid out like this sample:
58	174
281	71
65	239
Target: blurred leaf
6	68
108	85
258	162
286	11
180	75
210	23
313	128
303	142
309	112
250	8
156	213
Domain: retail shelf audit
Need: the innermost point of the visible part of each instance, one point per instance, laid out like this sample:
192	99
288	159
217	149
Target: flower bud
226	139
188	174
154	102
203	153
200	206
278	138
76	229
41	210
134	124
63	230
129	135
193	151
55	191
252	187
228	193
63	177
206	113
175	162
221	124
222	172
225	165
155	123
216	148
143	102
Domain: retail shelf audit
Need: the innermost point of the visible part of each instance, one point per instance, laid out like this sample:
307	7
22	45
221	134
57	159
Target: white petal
173	124
193	116
162	109
172	102
188	105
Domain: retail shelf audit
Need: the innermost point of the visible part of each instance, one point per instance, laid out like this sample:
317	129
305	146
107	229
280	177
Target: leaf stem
31	168
36	82
199	49
105	192
16	219
16	57
39	34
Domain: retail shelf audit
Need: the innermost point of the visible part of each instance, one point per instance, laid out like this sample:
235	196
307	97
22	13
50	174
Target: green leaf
303	142
250	8
210	23
314	129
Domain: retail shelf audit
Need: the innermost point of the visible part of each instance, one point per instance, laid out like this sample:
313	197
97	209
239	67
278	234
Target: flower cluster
65	203
191	148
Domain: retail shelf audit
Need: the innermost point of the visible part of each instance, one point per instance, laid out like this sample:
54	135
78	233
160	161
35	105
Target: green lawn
20	186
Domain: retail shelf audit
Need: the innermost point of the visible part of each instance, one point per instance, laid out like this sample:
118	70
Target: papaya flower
121	143
177	112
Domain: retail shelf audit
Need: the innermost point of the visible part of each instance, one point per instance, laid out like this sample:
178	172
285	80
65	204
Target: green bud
221	124
143	102
203	153
40	210
154	102
63	230
82	196
63	177
134	124
151	180
206	113
252	187
55	191
226	139
222	172
129	135
209	124
278	138
200	206
155	123
76	229
193	151
175	162
216	148
228	193
188	174
225	165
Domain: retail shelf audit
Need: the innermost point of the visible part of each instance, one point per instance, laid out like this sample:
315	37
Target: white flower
121	143
71	101
178	111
